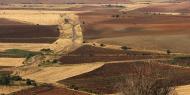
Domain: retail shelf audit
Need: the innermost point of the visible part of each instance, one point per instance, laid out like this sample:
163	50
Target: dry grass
150	42
10	89
183	90
11	61
130	7
23	46
54	74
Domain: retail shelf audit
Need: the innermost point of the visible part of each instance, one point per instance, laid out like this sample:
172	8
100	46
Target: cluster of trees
6	79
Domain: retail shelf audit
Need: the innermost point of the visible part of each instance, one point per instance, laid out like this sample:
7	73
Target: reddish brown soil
105	79
28	34
6	69
89	54
9	22
102	24
48	90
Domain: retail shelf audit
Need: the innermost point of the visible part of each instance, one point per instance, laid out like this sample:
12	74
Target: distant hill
62	1
80	1
167	7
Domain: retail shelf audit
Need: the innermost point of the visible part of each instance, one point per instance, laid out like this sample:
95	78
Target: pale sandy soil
8	89
23	46
54	74
183	90
11	61
130	7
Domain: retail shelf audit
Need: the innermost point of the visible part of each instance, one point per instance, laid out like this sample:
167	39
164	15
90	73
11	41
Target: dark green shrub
102	45
124	48
168	52
74	87
46	51
55	61
5	79
16	78
28	82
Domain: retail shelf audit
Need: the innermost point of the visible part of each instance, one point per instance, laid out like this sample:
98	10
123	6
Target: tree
147	80
168	52
102	45
124	47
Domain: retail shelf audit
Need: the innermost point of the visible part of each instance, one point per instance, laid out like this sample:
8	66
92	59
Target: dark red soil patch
9	22
89	54
28	34
48	90
105	79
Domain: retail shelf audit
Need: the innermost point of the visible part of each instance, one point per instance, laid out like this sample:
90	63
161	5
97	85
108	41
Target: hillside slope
63	1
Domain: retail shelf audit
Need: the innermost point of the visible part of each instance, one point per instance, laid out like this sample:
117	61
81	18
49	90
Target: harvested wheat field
8	90
183	90
11	61
54	74
94	47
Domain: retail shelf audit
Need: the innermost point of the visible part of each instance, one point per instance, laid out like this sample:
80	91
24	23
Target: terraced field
137	30
12	31
90	54
104	80
49	90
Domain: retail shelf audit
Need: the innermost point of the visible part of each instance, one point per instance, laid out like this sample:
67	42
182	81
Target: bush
28	82
168	52
74	87
5	79
16	78
31	82
46	51
124	47
102	45
55	61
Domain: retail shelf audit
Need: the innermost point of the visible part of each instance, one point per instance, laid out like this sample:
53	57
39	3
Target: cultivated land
137	30
44	43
